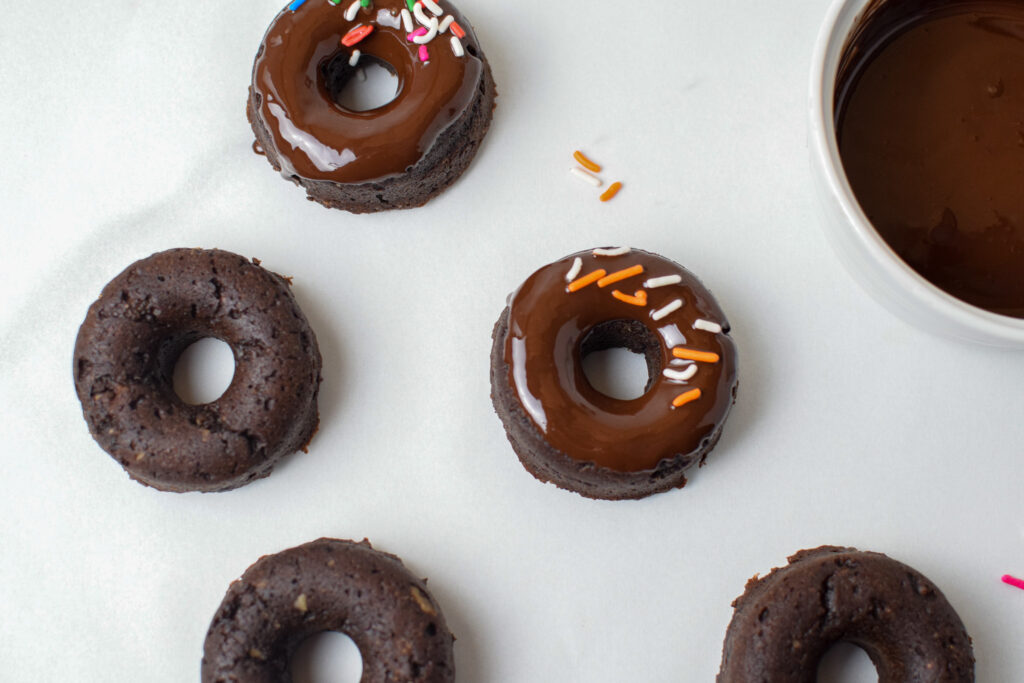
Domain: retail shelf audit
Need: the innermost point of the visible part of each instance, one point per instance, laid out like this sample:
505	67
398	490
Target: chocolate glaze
930	119
551	329
302	62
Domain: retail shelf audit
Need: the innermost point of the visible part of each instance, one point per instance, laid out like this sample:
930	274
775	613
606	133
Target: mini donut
785	622
134	334
329	585
397	156
565	431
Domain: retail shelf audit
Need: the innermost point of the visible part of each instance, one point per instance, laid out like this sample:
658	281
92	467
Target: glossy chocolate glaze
301	62
548	331
930	121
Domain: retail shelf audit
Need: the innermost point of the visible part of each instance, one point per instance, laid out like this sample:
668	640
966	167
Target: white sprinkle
670	308
617	251
421	16
577	266
656	282
681	375
707	326
429	35
433	7
457	47
407	21
352	11
446	23
354	59
586	177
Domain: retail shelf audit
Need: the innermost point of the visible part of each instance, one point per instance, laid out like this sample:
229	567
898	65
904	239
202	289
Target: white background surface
123	133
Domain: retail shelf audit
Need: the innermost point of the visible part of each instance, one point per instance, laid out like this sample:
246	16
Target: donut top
313	47
550	318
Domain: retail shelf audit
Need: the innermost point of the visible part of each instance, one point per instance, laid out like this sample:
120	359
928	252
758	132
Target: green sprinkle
411	4
364	3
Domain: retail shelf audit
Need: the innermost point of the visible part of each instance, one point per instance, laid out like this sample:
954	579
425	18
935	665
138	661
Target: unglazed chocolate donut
785	622
132	337
329	585
565	431
396	156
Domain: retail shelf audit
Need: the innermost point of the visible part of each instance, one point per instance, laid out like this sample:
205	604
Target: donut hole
846	663
621	358
203	371
328	657
371	84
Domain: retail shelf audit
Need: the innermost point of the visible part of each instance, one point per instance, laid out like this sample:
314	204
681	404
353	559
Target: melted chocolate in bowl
929	108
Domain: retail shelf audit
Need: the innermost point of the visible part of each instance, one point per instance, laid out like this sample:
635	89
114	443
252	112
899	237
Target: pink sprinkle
1016	583
421	31
424	55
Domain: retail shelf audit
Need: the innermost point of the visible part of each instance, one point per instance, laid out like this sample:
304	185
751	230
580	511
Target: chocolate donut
565	431
329	585
397	156
785	622
132	337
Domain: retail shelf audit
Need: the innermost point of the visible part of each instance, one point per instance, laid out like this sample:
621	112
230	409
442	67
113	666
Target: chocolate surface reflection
637	300
930	121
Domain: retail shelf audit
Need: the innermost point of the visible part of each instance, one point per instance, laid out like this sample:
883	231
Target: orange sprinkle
587	279
638	299
699	356
457	30
612	190
585	162
356	34
620	275
682	399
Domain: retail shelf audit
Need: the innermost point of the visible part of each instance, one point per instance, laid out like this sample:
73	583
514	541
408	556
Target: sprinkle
577	266
617	251
682	399
623	274
354	59
352	11
424	54
334	2
356	35
612	190
667	310
445	23
681	375
638	299
457	47
699	356
457	30
586	177
433	7
1013	581
410	4
407	20
585	162
301	603
431	33
587	279
296	4
656	282
707	326
415	34
365	3
421	16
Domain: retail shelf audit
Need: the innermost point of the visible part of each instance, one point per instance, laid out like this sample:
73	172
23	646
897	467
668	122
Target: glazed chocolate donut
785	622
329	585
566	432
132	337
396	156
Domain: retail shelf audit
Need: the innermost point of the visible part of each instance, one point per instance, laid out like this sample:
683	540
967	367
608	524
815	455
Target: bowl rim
825	155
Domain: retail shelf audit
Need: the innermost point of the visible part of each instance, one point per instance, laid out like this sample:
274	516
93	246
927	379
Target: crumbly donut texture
134	334
329	585
785	622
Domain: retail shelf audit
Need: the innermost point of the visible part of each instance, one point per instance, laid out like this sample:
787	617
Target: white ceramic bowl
864	253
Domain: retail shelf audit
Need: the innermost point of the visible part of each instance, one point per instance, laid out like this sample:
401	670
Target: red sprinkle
457	30
356	35
1012	581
